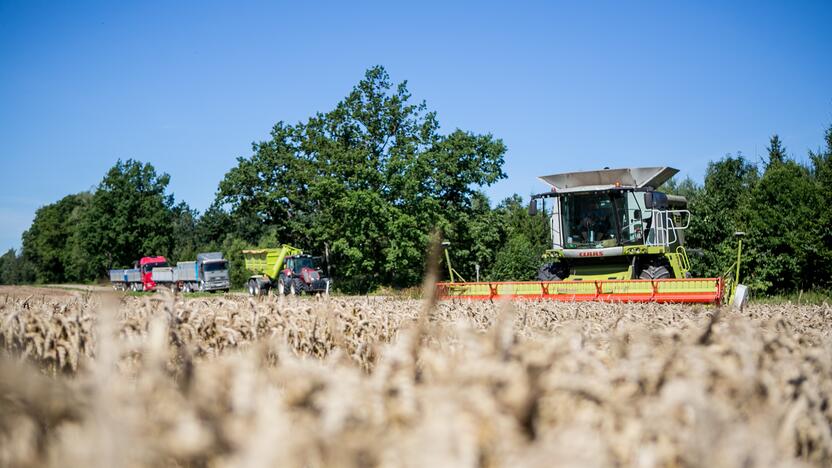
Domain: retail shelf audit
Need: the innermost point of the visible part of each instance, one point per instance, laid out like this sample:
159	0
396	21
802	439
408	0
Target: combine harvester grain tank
614	238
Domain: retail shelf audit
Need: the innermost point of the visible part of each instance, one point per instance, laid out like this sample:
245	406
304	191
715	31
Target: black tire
551	272
297	288
656	272
250	287
282	286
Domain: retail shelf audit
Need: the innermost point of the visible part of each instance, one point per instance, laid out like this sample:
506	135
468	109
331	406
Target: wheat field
110	380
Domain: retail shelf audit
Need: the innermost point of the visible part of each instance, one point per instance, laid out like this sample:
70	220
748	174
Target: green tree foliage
129	216
821	264
47	242
776	151
370	179
185	238
783	232
232	248
687	188
15	269
783	211
716	213
524	238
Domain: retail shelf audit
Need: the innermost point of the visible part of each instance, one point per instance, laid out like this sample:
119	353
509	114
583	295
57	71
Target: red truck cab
146	266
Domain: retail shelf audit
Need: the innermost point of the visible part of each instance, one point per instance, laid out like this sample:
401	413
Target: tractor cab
613	224
297	263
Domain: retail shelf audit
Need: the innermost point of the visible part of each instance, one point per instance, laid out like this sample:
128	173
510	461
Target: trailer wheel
251	287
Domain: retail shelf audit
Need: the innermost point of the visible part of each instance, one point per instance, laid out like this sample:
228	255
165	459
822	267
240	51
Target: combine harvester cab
614	239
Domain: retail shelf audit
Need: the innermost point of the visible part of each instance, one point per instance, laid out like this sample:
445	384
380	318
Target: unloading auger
615	238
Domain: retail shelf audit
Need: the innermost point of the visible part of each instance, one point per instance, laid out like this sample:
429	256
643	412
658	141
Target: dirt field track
100	379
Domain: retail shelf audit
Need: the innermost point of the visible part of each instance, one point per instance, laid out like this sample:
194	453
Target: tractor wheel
656	272
187	288
282	288
551	272
297	287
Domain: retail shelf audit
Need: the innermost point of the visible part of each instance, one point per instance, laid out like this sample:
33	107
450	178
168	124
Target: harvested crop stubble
113	381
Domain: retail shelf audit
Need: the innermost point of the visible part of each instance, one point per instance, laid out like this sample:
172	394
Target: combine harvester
614	239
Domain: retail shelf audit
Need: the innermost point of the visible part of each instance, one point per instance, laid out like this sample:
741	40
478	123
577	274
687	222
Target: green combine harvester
614	238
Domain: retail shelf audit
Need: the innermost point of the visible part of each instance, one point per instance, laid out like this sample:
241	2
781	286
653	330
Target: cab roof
606	179
145	260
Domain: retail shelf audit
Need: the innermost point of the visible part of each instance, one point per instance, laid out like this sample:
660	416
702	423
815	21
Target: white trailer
125	279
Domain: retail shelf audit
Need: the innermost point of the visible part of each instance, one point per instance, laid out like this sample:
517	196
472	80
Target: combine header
614	239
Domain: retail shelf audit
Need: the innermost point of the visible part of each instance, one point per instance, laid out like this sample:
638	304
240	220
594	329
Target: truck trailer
286	269
208	273
140	277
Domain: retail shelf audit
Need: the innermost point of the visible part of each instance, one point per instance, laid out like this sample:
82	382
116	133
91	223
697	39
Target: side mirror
533	207
655	200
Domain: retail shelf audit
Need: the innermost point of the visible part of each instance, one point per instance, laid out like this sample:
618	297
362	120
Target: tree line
782	206
367	182
363	184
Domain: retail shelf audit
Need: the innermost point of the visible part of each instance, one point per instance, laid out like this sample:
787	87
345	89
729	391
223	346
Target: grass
801	297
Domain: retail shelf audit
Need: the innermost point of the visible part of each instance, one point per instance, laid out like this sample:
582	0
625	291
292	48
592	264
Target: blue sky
568	86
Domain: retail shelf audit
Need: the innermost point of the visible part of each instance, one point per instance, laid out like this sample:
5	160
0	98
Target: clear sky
188	86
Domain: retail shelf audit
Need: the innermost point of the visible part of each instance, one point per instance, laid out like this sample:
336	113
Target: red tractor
286	268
